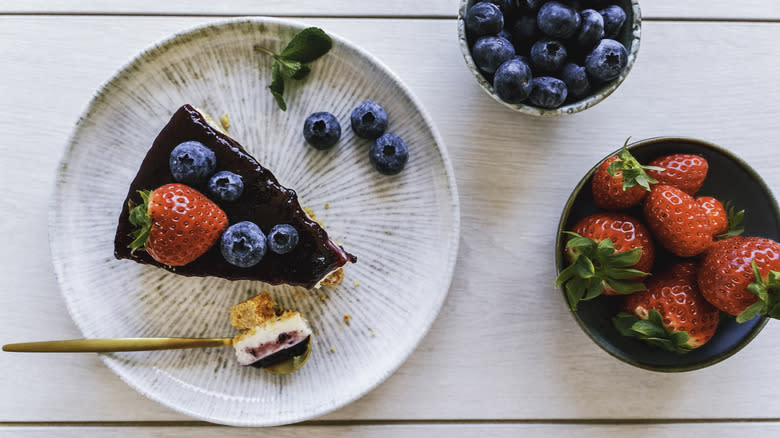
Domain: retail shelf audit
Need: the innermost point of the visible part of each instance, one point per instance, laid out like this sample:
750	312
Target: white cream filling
263	340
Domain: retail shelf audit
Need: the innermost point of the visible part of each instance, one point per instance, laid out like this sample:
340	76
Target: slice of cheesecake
263	201
270	336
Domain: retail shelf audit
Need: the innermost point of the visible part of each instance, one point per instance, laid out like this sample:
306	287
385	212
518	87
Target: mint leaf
290	68
302	73
307	45
277	86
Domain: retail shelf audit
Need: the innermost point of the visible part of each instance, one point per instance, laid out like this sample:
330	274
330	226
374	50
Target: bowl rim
560	263
572	108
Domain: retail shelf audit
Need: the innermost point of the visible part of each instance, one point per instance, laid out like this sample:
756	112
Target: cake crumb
347	318
323	298
373	335
327	206
332	350
312	216
334	278
225	120
298	294
356	283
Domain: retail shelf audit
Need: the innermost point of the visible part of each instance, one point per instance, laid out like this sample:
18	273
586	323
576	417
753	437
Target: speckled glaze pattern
629	36
404	229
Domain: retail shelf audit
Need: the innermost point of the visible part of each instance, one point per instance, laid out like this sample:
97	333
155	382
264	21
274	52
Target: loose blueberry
592	28
321	130
192	163
226	186
547	92
388	154
512	81
484	18
243	244
607	60
548	56
576	80
614	17
490	52
282	238
368	120
558	20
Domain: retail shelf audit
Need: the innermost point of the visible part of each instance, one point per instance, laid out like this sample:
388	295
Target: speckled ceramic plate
404	229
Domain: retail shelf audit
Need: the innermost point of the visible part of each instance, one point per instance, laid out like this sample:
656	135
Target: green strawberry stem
596	266
651	331
634	173
735	221
768	293
139	217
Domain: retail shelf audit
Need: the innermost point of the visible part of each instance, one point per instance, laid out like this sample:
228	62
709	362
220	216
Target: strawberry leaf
594	264
633	172
755	309
139	218
651	331
735	221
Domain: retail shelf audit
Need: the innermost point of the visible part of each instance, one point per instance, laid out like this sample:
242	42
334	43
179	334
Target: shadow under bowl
629	36
729	179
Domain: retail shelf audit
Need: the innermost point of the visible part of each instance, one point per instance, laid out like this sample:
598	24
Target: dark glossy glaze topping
264	202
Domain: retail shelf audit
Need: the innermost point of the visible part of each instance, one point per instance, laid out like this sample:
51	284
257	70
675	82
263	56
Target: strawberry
620	182
176	224
716	212
681	318
684	171
727	275
725	220
677	221
610	253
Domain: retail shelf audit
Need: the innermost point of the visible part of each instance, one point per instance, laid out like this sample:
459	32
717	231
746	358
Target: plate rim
195	32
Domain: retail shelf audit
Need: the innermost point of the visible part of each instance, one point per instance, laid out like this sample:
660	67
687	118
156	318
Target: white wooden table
706	69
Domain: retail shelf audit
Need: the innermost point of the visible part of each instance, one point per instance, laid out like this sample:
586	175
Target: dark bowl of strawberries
667	254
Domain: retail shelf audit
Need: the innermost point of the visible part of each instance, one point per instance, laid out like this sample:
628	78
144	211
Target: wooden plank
493	430
668	9
514	174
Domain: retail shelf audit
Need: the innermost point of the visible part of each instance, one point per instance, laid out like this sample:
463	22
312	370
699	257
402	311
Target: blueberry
607	60
507	7
192	163
226	186
243	244
576	80
490	52
369	120
591	30
614	17
547	92
524	28
512	81
484	18
282	238
558	20
388	154
548	56
321	130
505	34
531	4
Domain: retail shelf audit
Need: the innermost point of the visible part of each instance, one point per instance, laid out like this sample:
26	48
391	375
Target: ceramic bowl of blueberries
549	57
728	178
